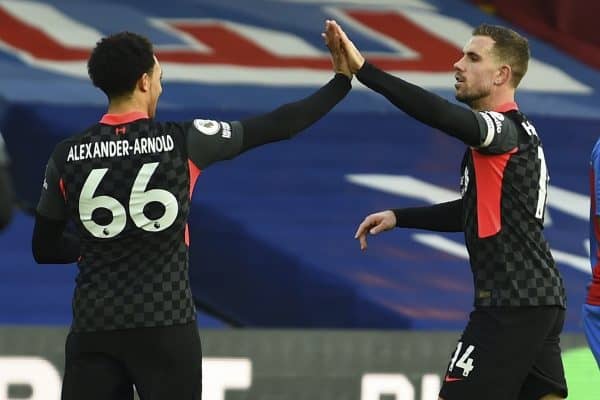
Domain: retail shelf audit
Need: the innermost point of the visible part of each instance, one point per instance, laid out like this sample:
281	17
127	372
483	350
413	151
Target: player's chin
462	96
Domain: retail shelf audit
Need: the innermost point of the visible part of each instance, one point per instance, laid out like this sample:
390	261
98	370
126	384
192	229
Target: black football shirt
126	184
503	187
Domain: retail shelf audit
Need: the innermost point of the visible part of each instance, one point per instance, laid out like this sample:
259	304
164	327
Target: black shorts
162	363
507	353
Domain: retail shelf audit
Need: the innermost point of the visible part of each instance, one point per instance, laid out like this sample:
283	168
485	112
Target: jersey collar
125	118
506	107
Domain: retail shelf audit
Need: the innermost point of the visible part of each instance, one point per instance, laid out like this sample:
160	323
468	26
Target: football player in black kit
510	347
125	184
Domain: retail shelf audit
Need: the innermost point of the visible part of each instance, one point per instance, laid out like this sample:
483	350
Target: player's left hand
334	43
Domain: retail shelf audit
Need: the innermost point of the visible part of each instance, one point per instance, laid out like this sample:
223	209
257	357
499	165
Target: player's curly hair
118	61
509	47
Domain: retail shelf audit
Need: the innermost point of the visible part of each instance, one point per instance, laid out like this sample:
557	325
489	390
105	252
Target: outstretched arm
420	104
443	217
292	118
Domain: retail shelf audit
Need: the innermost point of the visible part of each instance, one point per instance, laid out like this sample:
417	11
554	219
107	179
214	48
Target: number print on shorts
139	198
464	362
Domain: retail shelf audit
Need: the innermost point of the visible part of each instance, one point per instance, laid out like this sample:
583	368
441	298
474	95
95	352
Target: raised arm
420	104
225	140
290	119
423	105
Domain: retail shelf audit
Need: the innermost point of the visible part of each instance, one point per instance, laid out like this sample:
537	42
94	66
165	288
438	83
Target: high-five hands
374	224
341	46
334	42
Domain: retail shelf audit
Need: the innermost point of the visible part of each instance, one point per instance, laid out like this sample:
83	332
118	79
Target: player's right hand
353	56
374	224
334	43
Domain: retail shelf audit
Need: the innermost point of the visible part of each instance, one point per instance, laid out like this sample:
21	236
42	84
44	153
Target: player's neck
492	102
126	105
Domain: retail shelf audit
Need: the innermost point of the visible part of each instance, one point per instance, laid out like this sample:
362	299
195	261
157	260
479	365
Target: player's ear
144	82
503	74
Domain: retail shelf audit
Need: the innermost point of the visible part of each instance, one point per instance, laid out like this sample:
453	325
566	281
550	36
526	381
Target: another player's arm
443	217
423	105
472	128
50	243
6	191
292	118
210	143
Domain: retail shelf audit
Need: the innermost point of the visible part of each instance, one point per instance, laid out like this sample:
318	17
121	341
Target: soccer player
125	184
6	191
510	346
591	308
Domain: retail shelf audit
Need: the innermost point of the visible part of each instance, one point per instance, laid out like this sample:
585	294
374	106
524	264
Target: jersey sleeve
209	141
52	203
499	134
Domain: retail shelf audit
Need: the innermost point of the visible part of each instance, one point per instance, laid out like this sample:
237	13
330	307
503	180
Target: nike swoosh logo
449	379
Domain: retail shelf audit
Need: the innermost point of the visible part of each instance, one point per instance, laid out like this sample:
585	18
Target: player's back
126	183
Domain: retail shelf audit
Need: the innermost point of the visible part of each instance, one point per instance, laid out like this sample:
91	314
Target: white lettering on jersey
226	130
494	121
150	145
120	148
464	182
207	126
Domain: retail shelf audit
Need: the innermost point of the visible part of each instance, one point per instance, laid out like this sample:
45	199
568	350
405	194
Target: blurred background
288	306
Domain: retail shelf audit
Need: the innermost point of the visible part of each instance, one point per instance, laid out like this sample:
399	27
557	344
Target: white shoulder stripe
491	129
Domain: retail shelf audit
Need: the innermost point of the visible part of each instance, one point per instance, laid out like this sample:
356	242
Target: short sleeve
52	203
209	141
499	134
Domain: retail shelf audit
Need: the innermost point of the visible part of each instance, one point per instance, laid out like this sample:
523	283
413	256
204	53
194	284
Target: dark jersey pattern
126	184
504	195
